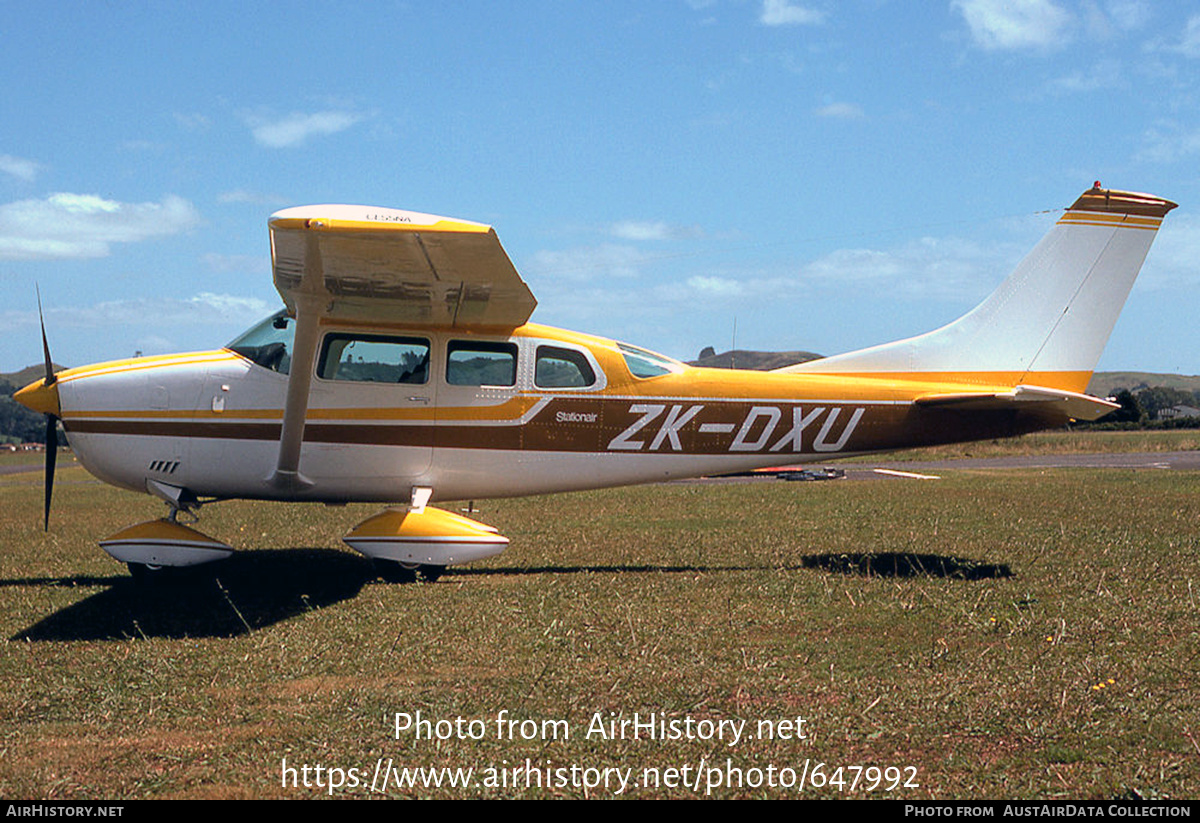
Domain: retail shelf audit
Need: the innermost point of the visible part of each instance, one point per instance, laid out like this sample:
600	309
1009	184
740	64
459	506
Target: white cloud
203	309
945	268
1168	143
652	230
1128	14
716	286
702	289
1189	42
1105	74
295	128
1015	24
192	121
1172	260
238	263
783	13
841	111
18	167
253	197
67	225
586	263
154	344
1114	17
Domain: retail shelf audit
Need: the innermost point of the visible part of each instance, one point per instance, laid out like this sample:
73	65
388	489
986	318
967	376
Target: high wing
388	264
373	264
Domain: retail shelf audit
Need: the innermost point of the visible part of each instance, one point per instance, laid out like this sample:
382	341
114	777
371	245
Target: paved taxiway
1171	461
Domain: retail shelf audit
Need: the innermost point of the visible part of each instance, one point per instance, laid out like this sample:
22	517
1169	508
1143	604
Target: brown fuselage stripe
591	425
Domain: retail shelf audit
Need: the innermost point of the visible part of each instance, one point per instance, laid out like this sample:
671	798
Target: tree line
1152	407
17	423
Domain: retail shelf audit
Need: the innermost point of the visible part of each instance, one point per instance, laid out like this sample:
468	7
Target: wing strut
311	302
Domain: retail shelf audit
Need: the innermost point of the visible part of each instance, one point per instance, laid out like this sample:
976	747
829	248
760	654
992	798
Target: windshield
269	343
643	363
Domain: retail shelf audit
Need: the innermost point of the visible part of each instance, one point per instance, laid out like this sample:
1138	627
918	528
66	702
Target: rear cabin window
374	358
558	368
479	363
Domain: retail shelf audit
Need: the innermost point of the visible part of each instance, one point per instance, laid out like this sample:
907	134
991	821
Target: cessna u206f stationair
403	369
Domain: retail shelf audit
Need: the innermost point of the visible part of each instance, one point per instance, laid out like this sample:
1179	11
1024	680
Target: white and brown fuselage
210	422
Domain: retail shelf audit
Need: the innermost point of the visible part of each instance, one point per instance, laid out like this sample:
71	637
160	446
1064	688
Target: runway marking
913	475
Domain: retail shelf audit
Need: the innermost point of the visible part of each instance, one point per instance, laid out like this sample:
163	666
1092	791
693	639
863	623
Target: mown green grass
1057	442
1050	651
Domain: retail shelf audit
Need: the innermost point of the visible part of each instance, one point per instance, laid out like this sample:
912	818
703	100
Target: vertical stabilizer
1046	324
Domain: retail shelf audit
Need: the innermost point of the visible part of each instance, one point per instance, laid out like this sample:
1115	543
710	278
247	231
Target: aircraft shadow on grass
907	564
249	591
255	589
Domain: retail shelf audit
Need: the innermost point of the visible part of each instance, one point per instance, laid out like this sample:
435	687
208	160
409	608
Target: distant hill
1108	383
757	360
17	423
21	379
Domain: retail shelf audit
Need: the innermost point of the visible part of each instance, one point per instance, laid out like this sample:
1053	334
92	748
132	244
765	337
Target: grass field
1003	635
1057	442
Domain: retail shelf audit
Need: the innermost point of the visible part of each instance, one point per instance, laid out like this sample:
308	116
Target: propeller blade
51	420
50	378
51	459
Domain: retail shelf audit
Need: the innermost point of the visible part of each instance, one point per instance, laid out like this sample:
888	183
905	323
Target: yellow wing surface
374	264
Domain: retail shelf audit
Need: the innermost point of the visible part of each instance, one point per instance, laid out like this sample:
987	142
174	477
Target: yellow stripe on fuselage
913	384
508	411
134	364
694	383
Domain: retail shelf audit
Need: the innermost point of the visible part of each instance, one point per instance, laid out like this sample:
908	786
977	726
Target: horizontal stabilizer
1069	404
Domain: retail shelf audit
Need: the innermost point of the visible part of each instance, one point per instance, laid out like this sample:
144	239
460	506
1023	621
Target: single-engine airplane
403	369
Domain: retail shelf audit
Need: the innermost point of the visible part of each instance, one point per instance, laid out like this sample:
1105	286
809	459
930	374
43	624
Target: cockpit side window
269	343
374	358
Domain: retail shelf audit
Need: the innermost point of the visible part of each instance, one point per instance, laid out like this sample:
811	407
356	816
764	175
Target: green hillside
1108	383
756	360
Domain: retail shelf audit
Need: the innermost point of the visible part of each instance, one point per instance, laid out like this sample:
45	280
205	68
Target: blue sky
824	175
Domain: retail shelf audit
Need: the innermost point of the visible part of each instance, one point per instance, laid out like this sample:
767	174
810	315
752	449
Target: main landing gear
407	542
146	548
395	571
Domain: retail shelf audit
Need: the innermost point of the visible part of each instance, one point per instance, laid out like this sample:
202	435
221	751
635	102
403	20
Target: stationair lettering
758	431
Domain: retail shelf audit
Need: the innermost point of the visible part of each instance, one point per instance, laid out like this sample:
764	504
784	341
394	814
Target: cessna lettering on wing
764	428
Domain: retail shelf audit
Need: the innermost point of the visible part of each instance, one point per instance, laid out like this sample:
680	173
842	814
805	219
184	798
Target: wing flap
397	266
1069	404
